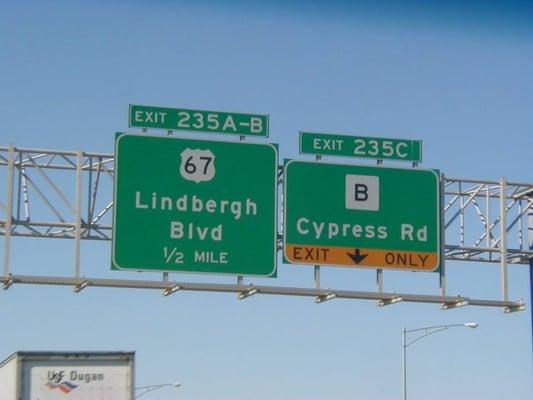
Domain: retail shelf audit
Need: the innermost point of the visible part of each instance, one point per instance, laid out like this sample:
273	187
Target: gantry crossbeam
68	195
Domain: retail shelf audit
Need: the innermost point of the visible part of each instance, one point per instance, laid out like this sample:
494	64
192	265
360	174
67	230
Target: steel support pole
9	207
461	215
404	365
25	195
531	297
379	280
530	246
442	258
487	229
165	274
77	214
379	272
503	242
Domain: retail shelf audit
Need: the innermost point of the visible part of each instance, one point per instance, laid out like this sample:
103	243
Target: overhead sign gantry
188	205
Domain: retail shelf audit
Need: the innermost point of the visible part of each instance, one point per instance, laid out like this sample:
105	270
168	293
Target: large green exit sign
194	206
361	216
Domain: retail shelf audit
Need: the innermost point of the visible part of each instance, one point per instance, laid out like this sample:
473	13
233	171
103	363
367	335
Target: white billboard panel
77	380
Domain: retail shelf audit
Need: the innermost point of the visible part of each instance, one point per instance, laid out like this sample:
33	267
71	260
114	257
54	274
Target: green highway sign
198	120
194	206
361	216
360	146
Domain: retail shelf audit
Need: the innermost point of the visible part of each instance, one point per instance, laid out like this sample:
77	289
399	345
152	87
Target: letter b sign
362	192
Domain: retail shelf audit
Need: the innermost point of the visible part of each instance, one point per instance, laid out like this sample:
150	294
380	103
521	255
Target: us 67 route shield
194	206
361	216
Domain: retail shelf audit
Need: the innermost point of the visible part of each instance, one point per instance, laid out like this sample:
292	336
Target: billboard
76	380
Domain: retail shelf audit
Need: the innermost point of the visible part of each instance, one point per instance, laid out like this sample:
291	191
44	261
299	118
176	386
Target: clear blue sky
458	76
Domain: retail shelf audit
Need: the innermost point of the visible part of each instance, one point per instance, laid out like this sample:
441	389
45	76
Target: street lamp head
471	325
152	388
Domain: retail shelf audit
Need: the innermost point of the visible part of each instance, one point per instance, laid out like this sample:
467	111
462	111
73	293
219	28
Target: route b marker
362	192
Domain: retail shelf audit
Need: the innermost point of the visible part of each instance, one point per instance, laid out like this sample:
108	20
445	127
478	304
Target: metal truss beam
68	195
57	194
471	208
487	220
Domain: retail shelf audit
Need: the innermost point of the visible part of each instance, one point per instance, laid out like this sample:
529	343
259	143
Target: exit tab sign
361	146
198	120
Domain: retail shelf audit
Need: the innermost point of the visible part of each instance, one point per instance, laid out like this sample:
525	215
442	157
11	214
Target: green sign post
198	120
361	146
194	206
361	216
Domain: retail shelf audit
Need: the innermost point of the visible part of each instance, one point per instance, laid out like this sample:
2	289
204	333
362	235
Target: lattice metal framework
487	220
67	194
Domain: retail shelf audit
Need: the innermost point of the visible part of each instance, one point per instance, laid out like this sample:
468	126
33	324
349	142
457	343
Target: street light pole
404	367
151	388
428	330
